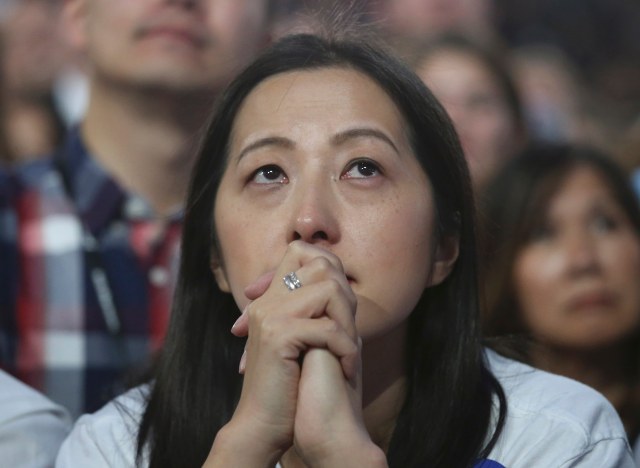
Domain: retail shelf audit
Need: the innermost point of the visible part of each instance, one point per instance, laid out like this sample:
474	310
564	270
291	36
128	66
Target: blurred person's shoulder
107	437
32	427
555	421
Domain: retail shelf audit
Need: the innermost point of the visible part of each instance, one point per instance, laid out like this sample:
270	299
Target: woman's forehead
331	98
340	87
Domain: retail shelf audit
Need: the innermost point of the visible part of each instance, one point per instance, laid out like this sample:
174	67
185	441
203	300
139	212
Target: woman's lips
591	301
177	34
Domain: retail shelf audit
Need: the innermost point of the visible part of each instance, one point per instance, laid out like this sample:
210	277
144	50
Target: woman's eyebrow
363	132
338	139
604	203
277	141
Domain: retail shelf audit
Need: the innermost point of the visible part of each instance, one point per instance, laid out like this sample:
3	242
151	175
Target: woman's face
577	280
323	156
477	105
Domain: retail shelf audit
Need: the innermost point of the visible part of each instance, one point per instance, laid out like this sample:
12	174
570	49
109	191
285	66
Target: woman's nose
581	254
314	219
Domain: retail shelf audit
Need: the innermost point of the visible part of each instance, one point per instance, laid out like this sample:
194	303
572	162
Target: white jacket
552	421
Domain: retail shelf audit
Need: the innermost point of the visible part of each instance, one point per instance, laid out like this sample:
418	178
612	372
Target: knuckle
269	330
334	286
321	265
252	312
260	319
296	246
331	327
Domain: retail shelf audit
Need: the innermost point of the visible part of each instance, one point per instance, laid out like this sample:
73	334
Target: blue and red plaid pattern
53	333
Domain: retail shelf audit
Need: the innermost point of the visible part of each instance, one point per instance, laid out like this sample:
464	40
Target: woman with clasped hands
326	312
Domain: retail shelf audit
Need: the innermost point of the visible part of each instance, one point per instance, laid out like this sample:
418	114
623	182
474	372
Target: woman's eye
604	223
542	233
270	174
362	169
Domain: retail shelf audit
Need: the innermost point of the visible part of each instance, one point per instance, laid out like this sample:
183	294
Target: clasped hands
302	371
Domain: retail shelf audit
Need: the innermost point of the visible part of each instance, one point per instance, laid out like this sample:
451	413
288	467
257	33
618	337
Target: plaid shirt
55	332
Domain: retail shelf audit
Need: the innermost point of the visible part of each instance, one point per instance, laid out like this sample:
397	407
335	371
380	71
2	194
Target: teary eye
604	223
362	169
269	174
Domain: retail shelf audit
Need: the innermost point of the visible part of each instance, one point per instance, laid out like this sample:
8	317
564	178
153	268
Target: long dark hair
446	418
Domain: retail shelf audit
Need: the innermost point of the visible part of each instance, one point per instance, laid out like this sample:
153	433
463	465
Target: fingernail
243	362
235	324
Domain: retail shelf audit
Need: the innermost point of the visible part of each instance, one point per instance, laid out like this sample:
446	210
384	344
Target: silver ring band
291	281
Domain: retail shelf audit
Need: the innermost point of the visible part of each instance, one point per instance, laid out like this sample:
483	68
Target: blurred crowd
575	65
545	97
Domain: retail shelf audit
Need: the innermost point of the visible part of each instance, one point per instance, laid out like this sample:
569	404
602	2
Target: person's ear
445	258
219	274
75	23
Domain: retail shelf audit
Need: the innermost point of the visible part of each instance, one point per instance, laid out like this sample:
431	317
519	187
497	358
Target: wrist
235	447
369	455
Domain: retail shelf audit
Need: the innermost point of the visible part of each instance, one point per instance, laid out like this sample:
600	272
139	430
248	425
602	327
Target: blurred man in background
89	237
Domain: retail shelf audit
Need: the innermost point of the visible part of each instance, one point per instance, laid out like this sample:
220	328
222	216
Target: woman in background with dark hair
330	221
561	241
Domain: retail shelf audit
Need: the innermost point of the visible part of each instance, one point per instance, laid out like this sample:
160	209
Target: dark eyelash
370	162
266	168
